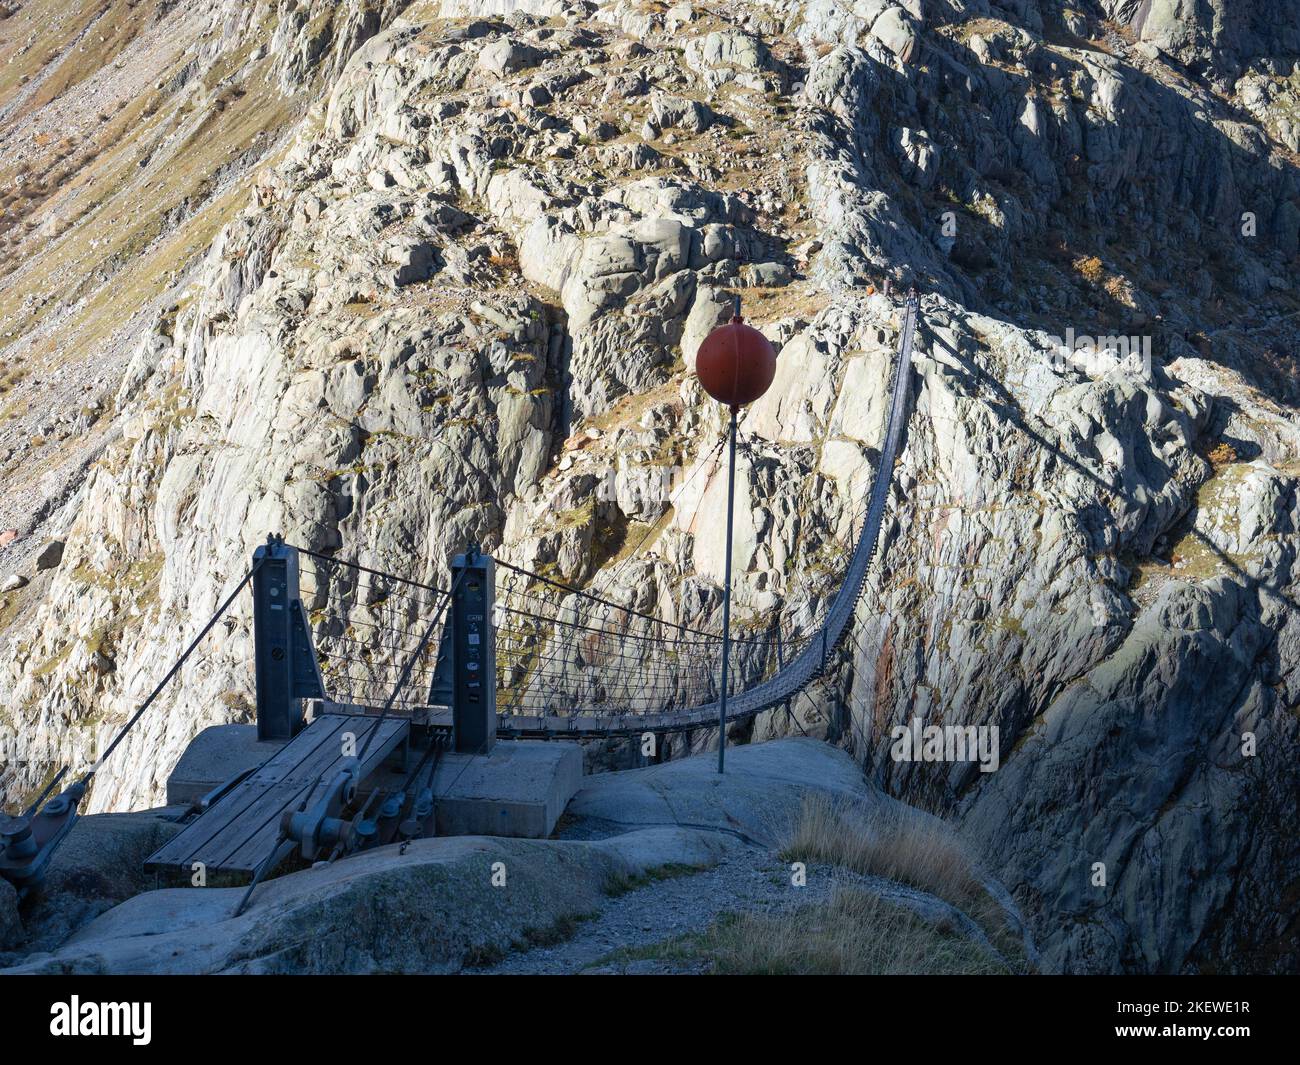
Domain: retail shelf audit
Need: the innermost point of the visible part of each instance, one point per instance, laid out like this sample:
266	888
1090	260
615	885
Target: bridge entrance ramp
240	830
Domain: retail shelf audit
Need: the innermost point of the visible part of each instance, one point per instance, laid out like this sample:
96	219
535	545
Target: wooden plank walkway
239	831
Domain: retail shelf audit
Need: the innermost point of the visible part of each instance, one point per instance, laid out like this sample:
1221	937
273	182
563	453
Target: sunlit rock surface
454	296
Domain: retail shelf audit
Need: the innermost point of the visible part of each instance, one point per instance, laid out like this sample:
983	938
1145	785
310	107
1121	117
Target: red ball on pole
736	363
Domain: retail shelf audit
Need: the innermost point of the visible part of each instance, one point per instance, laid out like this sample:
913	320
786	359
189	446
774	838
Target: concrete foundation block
519	788
214	756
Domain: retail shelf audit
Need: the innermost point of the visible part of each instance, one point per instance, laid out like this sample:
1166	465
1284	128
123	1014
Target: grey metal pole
726	595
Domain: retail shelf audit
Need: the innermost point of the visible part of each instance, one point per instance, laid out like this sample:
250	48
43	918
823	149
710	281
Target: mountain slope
462	302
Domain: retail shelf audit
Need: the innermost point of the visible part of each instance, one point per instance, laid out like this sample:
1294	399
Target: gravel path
751	880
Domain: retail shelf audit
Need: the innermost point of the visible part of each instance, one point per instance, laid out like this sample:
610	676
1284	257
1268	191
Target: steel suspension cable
347	563
410	664
570	590
90	773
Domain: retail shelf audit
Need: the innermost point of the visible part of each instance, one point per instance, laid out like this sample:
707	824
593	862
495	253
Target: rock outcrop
444	905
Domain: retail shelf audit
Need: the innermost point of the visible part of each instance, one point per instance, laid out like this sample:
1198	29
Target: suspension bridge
417	672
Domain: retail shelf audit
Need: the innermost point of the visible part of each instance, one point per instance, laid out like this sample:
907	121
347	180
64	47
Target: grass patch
578	517
905	846
562	929
1221	455
1192	559
480	957
798	299
1090	268
622	883
914	850
10	605
852	933
54	661
125	232
1012	625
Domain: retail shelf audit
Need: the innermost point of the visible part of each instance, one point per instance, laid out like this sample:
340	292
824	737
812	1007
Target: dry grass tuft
1090	268
903	845
907	847
1221	455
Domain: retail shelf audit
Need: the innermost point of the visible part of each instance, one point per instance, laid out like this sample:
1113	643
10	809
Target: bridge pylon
285	664
472	656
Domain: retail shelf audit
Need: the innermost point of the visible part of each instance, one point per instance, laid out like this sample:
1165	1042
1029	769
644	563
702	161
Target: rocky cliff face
462	301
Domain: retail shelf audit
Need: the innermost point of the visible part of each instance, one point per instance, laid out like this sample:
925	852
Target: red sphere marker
736	364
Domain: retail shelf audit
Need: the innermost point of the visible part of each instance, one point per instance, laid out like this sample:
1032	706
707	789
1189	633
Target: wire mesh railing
559	650
562	652
366	626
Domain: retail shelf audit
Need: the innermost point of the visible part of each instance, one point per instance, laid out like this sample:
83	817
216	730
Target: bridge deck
585	725
241	829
